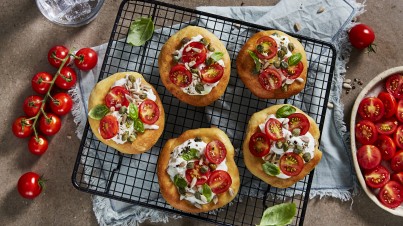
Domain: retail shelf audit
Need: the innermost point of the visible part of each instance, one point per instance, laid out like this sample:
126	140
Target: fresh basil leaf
294	59
270	169
133	111
217	56
258	65
285	111
98	112
140	31
138	126
180	182
207	192
192	153
281	214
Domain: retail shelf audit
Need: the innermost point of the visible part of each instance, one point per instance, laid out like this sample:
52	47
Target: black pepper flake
355	80
295	142
353	87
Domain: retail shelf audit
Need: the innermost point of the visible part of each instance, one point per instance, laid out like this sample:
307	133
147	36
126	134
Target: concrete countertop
25	38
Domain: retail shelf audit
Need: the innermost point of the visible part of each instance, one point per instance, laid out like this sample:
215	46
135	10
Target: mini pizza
194	66
272	65
126	113
197	171
281	145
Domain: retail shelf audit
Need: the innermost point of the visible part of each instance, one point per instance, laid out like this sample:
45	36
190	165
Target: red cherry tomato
399	111
67	78
50	125
387	147
273	129
361	36
30	185
369	157
298	121
32	105
41	82
270	79
189	54
108	126
398	177
365	132
294	71
391	194
220	181
389	102
61	103
116	98
201	178
387	127
149	112
394	85
268	48
259	144
56	54
377	177
212	73
291	164
396	164
398	136
86	59
371	108
38	146
180	76
215	152
22	127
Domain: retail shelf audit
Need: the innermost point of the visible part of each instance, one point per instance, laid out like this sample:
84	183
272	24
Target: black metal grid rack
103	171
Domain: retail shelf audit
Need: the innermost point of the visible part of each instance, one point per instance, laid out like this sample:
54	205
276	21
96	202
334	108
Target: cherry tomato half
61	103
273	129
180	76
389	102
394	85
365	132
41	82
56	54
396	164
50	125
116	98
298	121
108	126
149	112
86	59
387	127
371	108
291	164
361	36
377	177
399	111
22	127
391	194
220	181
189	54
369	156
398	177
398	136
212	73
259	144
387	147
266	47
215	152
38	146
30	185
294	71
201	178
67	78
270	79
32	105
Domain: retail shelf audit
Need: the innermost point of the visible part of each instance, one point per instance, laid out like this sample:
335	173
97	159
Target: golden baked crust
143	141
167	187
245	65
254	164
166	62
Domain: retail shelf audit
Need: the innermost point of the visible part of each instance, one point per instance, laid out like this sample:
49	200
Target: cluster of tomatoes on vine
44	109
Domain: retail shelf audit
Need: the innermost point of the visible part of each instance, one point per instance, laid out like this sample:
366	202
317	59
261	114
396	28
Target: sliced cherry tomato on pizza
298	121
369	156
259	144
389	102
270	79
180	76
108	126
194	51
398	177
220	181
387	127
377	177
116	97
394	85
399	111
196	172
398	137
293	72
387	147
391	194
371	108
291	164
212	73
365	132
396	164
215	152
149	112
266	47
273	129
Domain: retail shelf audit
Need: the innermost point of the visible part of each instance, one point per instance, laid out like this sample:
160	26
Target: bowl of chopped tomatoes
377	139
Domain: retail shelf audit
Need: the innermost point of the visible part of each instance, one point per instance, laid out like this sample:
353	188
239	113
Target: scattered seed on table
347	86
320	10
330	105
297	27
347	80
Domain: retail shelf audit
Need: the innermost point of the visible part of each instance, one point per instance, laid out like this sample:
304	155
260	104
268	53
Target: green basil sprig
270	169
140	31
285	111
294	59
180	182
191	154
216	56
133	111
207	192
258	65
138	126
98	112
281	214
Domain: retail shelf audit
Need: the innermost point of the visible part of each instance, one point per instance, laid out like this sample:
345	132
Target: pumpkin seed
199	87
185	40
306	157
291	46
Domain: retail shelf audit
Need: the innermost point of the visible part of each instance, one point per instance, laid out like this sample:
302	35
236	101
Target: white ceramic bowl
372	89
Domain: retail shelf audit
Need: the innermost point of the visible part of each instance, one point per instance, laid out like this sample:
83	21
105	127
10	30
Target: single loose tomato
387	127
212	73
291	164
399	111
365	132
194	51
273	129
294	71
362	36
32	105
22	127
180	76
86	59
67	78
215	152
298	124
38	146
149	112
108	126
377	177
394	85
389	102
371	108
391	194
270	79
398	137
396	164
259	144
56	54
196	172
220	181
369	156
61	103
116	98
398	177
266	47
50	124
41	82
30	185
387	147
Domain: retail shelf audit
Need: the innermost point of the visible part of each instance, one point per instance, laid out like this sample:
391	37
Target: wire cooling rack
103	171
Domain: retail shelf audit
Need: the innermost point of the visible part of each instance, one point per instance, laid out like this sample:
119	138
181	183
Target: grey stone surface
25	38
